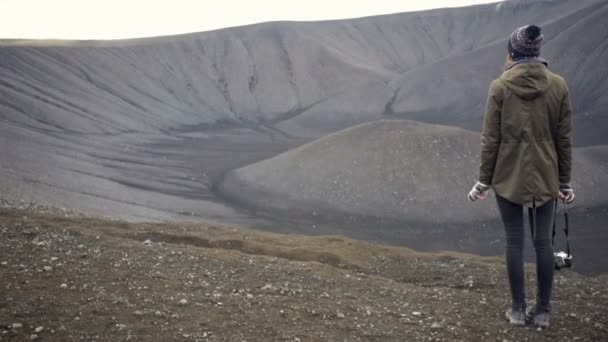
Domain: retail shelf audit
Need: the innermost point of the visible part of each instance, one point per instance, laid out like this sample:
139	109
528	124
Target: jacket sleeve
563	140
490	136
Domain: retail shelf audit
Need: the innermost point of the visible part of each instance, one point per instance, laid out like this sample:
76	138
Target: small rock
47	268
148	242
39	329
4	263
183	302
435	325
33	337
63	286
587	320
340	315
17	325
417	313
158	314
121	327
138	313
249	296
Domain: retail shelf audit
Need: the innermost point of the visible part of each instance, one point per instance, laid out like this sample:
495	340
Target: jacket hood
527	80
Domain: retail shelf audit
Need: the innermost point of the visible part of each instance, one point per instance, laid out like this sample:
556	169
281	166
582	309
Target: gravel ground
84	279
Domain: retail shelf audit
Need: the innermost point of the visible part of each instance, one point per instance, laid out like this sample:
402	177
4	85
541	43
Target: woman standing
526	158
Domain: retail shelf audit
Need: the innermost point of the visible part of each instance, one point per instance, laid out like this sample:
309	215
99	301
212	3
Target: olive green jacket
526	144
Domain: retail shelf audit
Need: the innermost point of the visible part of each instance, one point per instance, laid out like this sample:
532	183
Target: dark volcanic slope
306	78
576	47
391	169
145	128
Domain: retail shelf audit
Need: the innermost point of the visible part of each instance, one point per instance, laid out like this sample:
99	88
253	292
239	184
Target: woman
526	158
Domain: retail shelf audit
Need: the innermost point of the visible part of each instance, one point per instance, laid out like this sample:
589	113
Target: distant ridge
302	78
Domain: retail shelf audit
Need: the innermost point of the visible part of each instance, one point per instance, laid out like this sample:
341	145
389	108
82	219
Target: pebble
249	296
34	337
340	315
183	302
47	268
417	313
4	263
435	325
17	325
39	329
121	327
147	242
64	286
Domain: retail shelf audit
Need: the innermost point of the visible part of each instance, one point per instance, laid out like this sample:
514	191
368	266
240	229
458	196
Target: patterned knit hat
525	42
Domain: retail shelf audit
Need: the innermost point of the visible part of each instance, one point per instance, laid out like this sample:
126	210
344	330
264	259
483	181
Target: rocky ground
66	277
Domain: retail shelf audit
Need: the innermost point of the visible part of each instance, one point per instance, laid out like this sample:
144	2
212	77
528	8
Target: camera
562	260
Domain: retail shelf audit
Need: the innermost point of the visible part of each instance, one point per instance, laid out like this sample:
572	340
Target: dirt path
80	279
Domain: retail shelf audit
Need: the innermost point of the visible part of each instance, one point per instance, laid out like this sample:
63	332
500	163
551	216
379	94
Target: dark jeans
513	219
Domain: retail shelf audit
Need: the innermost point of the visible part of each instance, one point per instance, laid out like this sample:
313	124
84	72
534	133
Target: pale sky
116	19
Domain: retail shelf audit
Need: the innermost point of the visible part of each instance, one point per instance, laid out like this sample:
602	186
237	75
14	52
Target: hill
391	169
149	129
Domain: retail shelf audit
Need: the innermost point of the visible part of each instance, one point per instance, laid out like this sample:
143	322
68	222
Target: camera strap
533	220
566	226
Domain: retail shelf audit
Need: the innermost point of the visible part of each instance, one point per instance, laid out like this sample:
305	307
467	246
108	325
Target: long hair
508	62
